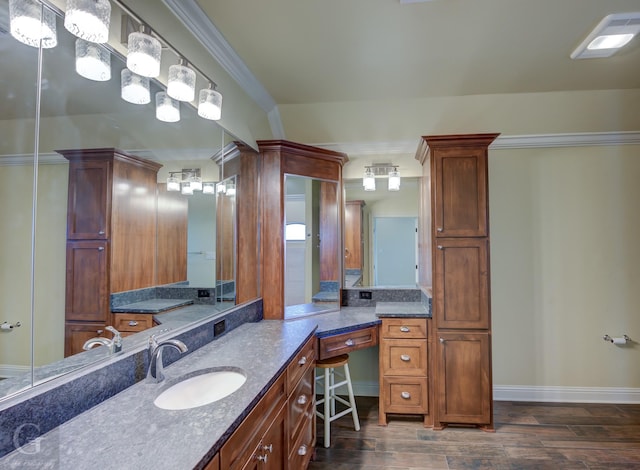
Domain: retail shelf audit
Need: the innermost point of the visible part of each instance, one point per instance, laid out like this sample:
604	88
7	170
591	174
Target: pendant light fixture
134	88
92	61
143	55
208	188
181	84
210	103
167	109
32	24
369	180
88	19
173	182
394	180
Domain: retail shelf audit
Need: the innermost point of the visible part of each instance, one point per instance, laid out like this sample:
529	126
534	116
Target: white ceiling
323	51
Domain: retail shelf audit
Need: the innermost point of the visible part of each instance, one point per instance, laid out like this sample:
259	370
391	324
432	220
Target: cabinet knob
268	448
99	332
349	342
405	329
442	340
262	458
101	248
101	232
405	357
405	395
302	361
439	229
133	323
439	247
302	450
302	399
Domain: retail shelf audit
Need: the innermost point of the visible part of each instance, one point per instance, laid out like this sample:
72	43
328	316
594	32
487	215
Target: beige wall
565	265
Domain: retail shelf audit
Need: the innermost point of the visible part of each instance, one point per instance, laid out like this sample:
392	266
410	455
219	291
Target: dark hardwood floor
528	436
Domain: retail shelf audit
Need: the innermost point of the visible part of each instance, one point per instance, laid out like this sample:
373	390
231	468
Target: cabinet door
273	444
461	283
89	200
464	378
353	235
460	196
76	334
87	297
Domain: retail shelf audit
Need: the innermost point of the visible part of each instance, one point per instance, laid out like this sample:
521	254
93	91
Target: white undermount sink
207	386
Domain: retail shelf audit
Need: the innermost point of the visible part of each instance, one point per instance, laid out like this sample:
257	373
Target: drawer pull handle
405	329
268	448
133	323
302	361
99	332
442	340
439	229
302	400
101	232
101	248
439	247
262	458
405	395
405	357
349	342
302	450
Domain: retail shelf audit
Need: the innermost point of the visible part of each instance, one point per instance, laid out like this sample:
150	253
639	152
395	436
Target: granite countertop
129	431
402	309
152	306
343	320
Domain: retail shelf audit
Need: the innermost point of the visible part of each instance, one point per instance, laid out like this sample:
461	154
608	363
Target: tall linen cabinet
456	238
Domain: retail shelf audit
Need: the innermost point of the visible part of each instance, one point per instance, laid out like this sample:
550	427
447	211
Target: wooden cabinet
404	368
111	233
459	247
464	392
344	343
130	323
353	235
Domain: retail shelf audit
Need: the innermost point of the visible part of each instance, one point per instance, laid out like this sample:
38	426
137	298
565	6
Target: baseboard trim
621	395
566	394
8	370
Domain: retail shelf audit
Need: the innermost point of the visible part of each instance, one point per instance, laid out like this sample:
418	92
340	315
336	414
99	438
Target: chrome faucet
155	374
114	344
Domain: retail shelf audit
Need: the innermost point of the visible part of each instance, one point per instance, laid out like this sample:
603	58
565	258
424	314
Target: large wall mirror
380	225
47	106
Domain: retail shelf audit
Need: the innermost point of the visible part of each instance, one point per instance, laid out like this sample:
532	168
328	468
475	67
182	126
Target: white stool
329	399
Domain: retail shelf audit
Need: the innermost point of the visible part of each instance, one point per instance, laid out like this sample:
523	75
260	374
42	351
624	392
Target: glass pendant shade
220	188
173	184
181	84
92	61
143	55
210	104
208	188
196	183
134	88
394	180
88	19
32	24
231	189
187	190
167	109
369	180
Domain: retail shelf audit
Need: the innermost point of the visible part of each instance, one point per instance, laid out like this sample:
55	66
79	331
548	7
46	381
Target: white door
395	253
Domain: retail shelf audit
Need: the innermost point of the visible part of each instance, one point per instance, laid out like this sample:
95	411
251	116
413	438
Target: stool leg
333	392
327	409
352	400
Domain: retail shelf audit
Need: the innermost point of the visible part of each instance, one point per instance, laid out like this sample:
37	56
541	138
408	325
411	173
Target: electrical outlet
204	293
365	294
219	328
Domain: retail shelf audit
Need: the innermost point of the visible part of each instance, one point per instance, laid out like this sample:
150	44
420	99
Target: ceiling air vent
611	34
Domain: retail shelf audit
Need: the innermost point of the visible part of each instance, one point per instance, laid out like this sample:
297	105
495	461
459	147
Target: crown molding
587	139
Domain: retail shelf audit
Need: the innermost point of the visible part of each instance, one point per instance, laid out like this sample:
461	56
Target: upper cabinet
89	203
353	235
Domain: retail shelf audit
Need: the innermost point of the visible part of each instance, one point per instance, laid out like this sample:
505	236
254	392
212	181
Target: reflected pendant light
32	24
181	84
134	88
369	180
88	19
143	54
187	189
210	103
167	109
394	180
92	61
208	188
173	183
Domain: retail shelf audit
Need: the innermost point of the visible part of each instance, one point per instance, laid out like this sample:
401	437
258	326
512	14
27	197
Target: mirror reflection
380	234
73	112
311	245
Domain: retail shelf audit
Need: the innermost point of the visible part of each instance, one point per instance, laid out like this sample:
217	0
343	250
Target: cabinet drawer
405	395
303	361
132	322
301	404
403	328
406	357
344	343
302	448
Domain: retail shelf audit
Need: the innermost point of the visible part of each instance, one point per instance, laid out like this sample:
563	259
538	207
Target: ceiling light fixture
88	19
32	23
369	180
143	53
187	181
210	103
92	61
134	88
394	180
381	169
167	109
181	84
612	33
